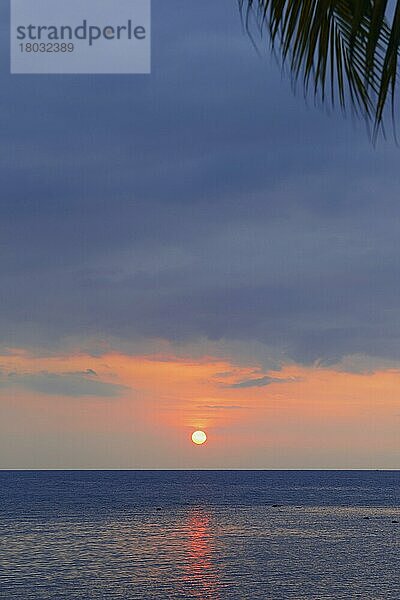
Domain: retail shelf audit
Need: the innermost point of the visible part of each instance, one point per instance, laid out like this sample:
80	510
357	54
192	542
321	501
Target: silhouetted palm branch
345	46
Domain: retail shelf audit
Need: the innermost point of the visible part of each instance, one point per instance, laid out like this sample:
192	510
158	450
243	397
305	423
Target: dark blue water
200	534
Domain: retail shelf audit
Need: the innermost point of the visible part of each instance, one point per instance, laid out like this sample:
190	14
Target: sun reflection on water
201	573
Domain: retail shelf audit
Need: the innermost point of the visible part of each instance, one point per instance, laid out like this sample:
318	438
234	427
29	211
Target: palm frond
344	46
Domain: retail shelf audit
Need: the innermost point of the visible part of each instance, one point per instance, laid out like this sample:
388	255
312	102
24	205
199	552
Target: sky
199	248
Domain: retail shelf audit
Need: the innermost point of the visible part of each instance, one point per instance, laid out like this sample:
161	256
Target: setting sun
199	437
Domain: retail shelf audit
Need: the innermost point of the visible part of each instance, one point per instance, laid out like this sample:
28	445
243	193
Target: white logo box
80	36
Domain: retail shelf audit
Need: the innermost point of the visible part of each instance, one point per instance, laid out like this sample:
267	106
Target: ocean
200	534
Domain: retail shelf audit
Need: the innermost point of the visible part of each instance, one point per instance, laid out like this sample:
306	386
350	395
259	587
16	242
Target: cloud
261	382
74	384
360	363
248	225
85	372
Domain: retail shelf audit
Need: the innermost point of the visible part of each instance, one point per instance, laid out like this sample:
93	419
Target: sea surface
200	534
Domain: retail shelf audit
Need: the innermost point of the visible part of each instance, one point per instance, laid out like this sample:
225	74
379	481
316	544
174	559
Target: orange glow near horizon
314	414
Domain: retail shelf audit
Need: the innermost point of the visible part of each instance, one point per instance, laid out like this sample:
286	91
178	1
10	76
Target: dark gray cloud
261	382
82	373
204	201
362	364
63	384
